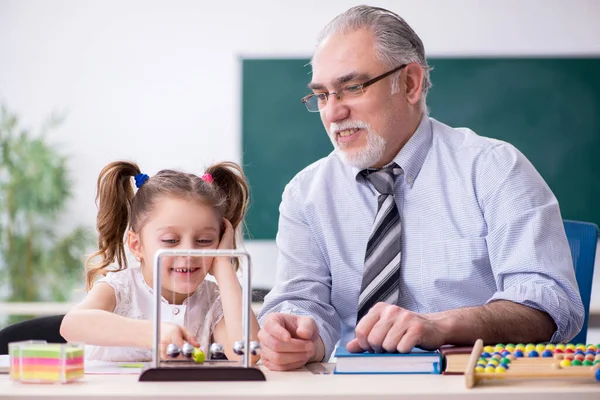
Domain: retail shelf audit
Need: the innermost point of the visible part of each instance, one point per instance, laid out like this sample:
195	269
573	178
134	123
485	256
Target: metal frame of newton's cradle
210	370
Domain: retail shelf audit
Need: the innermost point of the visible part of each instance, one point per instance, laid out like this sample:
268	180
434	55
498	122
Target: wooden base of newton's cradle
527	368
192	372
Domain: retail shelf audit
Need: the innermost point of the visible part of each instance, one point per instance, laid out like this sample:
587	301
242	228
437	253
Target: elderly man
411	233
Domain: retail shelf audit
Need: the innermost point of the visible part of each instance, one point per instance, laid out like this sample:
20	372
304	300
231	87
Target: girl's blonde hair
120	206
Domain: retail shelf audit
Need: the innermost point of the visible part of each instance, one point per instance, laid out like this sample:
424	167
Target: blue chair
583	238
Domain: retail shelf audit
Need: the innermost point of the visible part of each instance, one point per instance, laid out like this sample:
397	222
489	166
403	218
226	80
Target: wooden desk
303	384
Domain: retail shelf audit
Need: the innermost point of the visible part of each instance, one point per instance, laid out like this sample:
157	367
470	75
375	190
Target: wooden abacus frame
212	370
527	367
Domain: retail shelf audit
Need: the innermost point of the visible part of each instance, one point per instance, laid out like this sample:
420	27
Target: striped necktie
381	278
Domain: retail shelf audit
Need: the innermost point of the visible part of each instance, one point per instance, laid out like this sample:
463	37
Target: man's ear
134	243
413	82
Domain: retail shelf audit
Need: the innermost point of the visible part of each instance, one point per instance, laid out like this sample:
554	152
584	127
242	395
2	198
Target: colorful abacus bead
540	347
530	347
533	353
505	360
493	361
565	363
518	354
547	353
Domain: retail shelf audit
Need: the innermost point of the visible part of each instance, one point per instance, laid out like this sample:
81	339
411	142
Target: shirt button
409	179
176	311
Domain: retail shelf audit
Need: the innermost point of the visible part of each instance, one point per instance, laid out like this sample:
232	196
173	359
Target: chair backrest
583	239
41	328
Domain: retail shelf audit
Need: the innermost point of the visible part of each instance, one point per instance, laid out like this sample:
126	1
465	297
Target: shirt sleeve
526	240
303	281
121	282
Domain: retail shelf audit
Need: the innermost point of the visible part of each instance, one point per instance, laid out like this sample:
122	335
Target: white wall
158	81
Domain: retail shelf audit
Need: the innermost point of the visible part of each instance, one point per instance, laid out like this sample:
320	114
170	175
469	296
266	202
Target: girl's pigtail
114	198
230	180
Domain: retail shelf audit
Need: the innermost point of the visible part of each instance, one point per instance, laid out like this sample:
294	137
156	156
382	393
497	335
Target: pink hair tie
207	178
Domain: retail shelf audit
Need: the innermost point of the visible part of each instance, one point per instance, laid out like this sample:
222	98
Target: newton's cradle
193	365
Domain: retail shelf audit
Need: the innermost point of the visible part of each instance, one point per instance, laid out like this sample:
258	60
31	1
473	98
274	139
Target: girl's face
177	223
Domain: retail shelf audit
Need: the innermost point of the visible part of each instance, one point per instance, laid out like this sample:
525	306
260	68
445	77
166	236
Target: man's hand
289	341
390	328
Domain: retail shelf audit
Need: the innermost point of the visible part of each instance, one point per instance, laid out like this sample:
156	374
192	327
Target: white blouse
199	313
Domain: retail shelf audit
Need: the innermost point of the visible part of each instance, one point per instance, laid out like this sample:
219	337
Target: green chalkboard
549	108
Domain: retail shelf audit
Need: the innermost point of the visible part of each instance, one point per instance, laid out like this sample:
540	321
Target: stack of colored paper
40	362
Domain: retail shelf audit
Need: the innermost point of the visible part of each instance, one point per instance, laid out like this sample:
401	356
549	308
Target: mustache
335	127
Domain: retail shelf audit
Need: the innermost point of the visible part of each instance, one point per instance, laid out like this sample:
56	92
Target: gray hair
396	43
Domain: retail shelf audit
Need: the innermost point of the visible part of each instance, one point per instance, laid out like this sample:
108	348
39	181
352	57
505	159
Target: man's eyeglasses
315	102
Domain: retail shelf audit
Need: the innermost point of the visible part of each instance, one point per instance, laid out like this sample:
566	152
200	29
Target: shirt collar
412	155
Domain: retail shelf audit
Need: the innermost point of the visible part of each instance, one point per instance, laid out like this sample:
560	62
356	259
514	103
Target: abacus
193	365
532	361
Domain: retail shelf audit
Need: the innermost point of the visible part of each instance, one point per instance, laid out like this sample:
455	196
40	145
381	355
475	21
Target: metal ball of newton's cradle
254	348
187	350
216	350
173	350
238	347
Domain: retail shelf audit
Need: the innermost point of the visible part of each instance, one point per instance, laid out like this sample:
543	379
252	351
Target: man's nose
335	109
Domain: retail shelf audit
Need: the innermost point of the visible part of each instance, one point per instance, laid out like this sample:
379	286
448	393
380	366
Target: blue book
416	362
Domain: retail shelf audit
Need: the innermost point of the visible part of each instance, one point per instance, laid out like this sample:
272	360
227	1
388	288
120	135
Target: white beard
365	157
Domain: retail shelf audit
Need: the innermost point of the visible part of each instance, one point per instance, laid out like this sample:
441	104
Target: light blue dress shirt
478	224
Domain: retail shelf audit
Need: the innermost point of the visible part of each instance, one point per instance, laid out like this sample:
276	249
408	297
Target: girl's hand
173	333
226	243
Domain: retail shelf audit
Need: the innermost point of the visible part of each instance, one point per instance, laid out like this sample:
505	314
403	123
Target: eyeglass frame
360	86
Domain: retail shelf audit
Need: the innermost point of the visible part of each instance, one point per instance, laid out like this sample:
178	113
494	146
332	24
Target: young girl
171	210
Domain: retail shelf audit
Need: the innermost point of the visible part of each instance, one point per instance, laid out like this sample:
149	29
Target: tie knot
383	179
